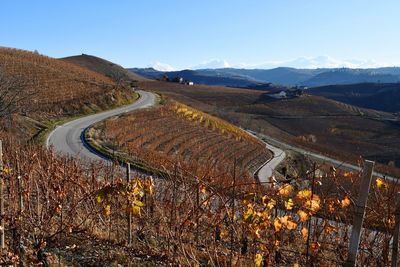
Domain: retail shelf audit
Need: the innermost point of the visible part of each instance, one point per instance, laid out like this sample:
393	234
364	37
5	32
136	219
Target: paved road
265	171
318	157
67	138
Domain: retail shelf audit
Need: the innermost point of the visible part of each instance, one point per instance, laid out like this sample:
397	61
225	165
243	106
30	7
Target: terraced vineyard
176	133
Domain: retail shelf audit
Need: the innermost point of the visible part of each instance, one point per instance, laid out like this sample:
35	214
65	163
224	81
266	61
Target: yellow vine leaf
291	225
289	204
304	233
203	189
304	194
345	202
380	183
303	215
99	198
296	265
277	225
138	203
284	219
248	215
257	233
107	210
136	211
313	204
258	260
285	190
271	204
7	170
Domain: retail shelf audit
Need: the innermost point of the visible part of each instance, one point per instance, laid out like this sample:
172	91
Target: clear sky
184	33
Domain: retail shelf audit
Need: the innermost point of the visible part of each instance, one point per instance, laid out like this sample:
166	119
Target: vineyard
175	133
52	88
58	211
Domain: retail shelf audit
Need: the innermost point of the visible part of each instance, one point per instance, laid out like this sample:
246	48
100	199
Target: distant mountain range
283	76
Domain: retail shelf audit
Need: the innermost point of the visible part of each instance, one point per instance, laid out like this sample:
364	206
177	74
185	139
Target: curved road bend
318	157
66	139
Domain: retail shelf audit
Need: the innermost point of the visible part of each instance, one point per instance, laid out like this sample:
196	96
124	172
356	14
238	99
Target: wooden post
359	213
197	211
395	249
129	215
233	214
309	221
2	239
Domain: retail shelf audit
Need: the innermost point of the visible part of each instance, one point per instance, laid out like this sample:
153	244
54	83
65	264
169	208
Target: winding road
67	138
314	156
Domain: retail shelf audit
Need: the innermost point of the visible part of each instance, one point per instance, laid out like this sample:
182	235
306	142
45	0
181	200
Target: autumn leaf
348	174
7	170
258	260
284	219
138	203
107	210
289	204
303	215
381	183
304	194
285	190
99	198
271	204
277	225
203	189
136	211
291	225
345	202
248	215
313	204
304	233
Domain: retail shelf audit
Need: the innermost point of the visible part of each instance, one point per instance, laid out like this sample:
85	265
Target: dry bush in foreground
79	213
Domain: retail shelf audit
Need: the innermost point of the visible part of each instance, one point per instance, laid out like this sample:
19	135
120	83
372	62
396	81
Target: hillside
379	96
177	134
333	128
49	89
105	67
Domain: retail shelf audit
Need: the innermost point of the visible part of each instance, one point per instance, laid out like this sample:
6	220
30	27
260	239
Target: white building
280	95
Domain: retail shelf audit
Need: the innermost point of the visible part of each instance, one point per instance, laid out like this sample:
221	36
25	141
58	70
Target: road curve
67	138
318	157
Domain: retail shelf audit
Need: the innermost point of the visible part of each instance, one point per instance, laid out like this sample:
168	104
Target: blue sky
183	33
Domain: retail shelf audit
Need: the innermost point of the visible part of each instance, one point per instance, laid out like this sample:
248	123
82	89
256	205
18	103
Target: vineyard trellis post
395	249
129	215
233	214
2	239
359	213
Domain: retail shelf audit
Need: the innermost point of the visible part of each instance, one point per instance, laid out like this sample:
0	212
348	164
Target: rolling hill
333	128
105	67
50	89
384	97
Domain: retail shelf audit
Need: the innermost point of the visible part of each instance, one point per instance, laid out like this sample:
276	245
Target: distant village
287	93
180	80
